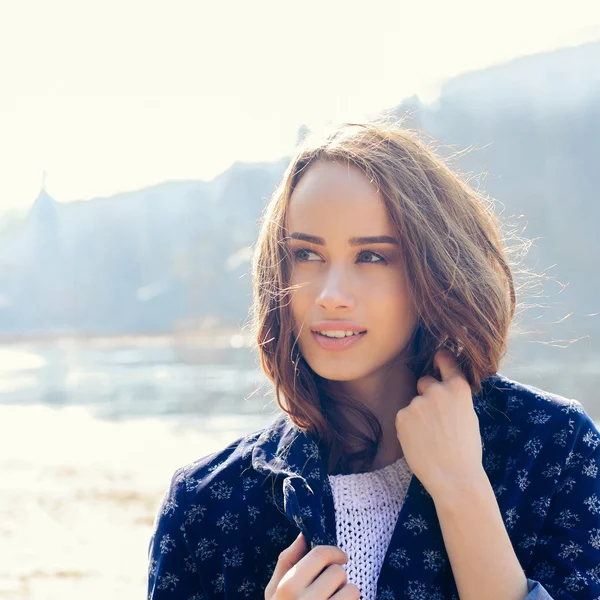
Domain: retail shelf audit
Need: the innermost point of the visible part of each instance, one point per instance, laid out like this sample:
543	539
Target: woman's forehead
329	178
328	196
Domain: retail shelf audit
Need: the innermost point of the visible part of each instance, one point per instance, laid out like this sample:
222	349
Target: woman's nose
336	290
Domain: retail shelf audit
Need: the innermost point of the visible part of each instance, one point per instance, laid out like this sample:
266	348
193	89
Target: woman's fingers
330	583
318	572
312	565
287	559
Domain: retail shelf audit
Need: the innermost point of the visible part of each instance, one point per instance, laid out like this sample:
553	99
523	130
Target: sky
118	95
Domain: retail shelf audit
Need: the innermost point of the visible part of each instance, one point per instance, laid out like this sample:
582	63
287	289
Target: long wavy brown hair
457	268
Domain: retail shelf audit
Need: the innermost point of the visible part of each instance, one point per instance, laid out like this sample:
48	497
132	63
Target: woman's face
343	278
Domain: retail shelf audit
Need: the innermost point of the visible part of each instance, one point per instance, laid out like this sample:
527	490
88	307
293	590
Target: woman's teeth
339	334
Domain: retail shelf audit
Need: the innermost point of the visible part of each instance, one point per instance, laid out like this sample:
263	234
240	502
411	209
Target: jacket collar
301	486
302	491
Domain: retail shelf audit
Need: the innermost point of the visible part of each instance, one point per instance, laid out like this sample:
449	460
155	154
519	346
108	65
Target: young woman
402	464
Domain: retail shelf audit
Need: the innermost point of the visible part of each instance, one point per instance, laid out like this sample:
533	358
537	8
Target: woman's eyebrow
355	241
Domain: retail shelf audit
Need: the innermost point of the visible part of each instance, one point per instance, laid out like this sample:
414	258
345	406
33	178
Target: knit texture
367	506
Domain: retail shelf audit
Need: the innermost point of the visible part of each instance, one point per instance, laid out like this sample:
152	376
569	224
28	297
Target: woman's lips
331	343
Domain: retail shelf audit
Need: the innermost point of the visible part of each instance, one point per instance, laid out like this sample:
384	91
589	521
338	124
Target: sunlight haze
114	96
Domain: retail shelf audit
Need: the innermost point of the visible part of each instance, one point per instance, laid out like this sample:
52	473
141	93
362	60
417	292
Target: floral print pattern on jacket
225	518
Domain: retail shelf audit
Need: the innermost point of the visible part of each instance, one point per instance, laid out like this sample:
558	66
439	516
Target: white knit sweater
366	510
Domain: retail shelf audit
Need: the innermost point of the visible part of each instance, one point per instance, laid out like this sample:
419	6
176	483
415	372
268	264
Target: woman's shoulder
226	464
535	416
225	475
505	395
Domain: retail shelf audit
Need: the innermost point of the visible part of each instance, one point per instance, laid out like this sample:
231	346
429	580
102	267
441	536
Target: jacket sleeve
566	559
172	573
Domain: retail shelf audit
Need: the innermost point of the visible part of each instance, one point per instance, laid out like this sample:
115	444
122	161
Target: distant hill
143	261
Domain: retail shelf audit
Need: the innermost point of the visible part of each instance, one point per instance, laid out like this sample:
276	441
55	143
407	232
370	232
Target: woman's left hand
439	429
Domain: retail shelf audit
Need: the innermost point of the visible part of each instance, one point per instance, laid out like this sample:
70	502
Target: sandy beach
79	495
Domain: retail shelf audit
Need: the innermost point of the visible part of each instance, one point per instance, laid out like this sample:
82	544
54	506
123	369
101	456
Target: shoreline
233	337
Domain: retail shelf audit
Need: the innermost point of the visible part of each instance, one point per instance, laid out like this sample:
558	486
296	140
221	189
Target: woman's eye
377	256
301	255
298	254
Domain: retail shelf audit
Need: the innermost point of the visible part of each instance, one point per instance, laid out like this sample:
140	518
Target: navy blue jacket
226	517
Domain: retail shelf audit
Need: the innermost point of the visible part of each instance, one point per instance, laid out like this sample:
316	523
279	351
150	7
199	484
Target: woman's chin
338	372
